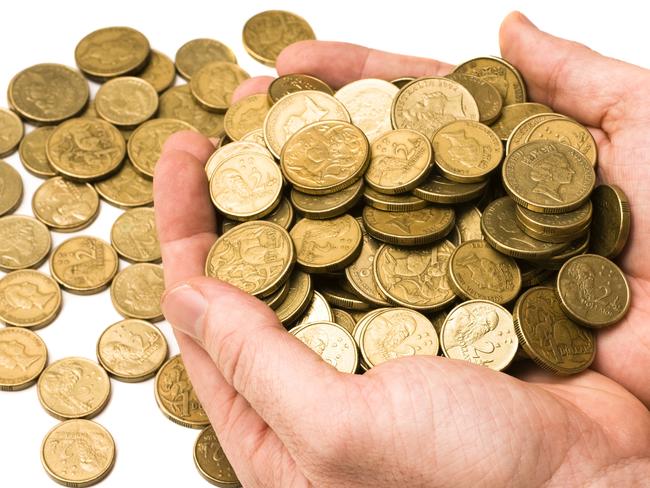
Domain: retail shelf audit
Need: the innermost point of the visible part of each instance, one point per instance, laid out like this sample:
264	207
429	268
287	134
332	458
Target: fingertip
291	59
251	86
193	143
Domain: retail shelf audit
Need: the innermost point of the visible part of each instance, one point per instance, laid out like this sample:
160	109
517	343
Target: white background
152	451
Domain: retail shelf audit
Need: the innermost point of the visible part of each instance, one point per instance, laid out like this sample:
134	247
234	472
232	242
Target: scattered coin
29	299
214	83
126	188
132	350
286	84
32	152
134	236
126	101
160	71
64	205
24	242
246	115
195	54
11	185
330	341
178	103
11	132
25	357
136	291
211	461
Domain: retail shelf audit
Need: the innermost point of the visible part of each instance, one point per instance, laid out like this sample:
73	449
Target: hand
285	418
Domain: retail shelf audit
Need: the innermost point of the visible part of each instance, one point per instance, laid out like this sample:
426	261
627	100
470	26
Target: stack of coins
388	218
106	149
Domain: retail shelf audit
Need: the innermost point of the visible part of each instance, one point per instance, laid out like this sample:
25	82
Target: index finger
339	63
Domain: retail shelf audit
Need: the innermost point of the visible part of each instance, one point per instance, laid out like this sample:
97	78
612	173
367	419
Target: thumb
279	376
568	76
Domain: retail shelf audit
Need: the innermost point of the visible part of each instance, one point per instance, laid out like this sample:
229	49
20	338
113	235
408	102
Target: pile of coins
106	149
404	217
381	220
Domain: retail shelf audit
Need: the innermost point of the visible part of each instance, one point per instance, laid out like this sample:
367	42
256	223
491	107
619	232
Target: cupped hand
285	418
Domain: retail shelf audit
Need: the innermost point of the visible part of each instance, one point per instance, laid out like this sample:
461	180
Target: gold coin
212	462
344	319
126	188
360	273
499	226
297	110
415	278
85	149
48	93
611	220
428	103
339	293
11	188
112	51
178	103
564	226
134	237
480	332
477	271
548	336
331	342
326	245
519	135
32	152
84	265
127	101
159	72
256	135
498	73
395	333
136	291
24	242
438	189
327	206
11	132
574	248
29	299
548	177
593	291
342	158
64	205
238	148
214	83
246	115
400	160
369	102
176	397
318	310
266	34
73	388
468	223
393	203
195	54
412	228
487	97
25	358
282	215
466	151
277	297
246	186
256	257
291	83
298	299
146	142
568	132
512	115
400	82
132	350
78	453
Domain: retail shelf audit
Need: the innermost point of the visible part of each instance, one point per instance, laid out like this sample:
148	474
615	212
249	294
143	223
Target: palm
419	419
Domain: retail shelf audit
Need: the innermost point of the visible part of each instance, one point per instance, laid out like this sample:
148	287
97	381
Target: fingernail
184	307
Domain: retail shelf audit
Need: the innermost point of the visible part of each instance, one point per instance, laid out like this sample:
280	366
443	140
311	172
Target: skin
285	418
